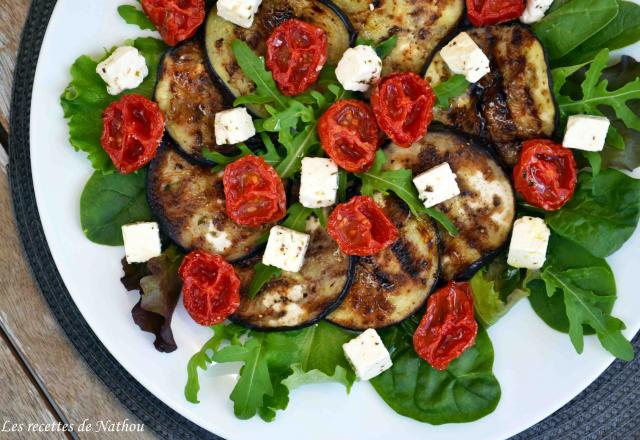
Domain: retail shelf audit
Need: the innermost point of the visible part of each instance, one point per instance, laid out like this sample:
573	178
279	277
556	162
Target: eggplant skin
190	99
394	283
188	201
419	24
512	103
485	209
295	300
219	34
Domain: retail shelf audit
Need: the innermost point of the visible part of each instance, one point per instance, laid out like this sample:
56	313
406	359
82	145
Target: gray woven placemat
608	409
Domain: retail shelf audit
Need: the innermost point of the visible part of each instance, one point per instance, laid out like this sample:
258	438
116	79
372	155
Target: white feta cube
233	126
141	241
286	249
436	185
124	69
529	240
464	57
358	68
535	10
240	12
367	355
586	132
318	182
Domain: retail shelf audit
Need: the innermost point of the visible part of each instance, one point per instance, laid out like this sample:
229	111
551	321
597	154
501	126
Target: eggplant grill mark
383	279
405	255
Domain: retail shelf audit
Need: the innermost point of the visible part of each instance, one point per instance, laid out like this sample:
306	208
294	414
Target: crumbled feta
240	12
358	68
586	132
311	224
367	355
219	240
436	185
464	57
233	126
318	182
529	240
286	249
535	10
124	69
141	241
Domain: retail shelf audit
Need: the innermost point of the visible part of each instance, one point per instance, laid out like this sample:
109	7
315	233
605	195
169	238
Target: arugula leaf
253	66
622	31
602	214
384	48
135	16
452	88
221	159
401	184
86	97
465	392
596	94
109	201
566	27
261	275
496	288
159	286
297	149
273	364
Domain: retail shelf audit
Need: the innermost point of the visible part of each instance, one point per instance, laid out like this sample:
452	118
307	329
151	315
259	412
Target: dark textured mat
608	409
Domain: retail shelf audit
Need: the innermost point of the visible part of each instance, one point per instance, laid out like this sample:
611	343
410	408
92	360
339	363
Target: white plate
537	367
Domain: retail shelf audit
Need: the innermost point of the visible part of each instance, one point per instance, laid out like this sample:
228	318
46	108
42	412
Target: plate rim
154	413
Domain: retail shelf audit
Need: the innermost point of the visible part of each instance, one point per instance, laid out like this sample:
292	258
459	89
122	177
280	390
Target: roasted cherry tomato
487	12
176	20
296	53
403	105
448	327
132	129
349	135
254	192
360	227
546	174
210	287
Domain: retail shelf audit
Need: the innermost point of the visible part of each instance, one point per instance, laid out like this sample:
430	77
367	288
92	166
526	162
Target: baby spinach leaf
110	201
569	25
496	288
86	97
465	392
273	364
622	31
401	184
135	16
602	214
452	88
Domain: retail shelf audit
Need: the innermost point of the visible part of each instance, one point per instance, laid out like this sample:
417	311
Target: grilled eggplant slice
190	99
219	34
512	103
295	300
419	24
485	209
188	201
391	285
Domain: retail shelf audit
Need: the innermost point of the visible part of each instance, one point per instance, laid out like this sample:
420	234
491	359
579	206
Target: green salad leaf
622	31
401	184
574	22
451	88
603	213
595	97
496	288
464	392
273	364
86	97
110	201
135	16
383	49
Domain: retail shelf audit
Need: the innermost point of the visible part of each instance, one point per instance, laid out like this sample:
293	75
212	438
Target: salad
344	190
